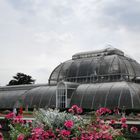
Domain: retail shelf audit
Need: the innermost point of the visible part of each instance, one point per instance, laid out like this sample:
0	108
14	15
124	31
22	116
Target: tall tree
21	79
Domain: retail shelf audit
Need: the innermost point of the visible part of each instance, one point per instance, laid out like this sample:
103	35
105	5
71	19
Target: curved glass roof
40	97
88	96
12	96
100	68
8	99
111	95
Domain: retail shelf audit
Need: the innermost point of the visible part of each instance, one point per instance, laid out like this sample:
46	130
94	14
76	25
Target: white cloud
37	35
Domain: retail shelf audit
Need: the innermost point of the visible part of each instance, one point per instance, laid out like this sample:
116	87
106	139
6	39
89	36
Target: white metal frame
61	96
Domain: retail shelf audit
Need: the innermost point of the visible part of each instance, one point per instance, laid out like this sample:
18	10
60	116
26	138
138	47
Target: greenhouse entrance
61	98
64	93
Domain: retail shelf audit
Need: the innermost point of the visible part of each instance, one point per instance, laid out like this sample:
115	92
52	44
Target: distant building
105	78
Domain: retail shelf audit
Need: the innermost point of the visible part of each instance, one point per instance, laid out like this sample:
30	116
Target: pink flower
29	121
75	110
21	110
116	110
10	115
74	107
98	119
48	134
134	129
69	124
65	132
79	110
107	136
86	136
71	110
102	111
123	120
36	132
20	137
97	135
102	122
18	119
1	136
104	127
112	122
124	125
0	126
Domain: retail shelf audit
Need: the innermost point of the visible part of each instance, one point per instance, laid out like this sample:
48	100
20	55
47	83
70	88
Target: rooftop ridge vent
107	51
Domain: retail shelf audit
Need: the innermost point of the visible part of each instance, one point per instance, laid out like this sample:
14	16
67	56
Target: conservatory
105	78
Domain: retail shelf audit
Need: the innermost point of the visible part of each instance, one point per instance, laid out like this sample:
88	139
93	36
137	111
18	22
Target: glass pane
125	99
53	97
129	67
114	68
134	89
89	96
46	95
78	95
136	67
104	65
83	68
72	73
100	97
123	68
55	74
113	96
64	70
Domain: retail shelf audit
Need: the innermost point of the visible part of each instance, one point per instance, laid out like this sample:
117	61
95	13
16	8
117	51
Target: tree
21	79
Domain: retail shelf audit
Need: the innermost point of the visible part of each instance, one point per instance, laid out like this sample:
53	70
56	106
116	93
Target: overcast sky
37	35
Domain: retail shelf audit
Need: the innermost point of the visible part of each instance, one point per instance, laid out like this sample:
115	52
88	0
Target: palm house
105	78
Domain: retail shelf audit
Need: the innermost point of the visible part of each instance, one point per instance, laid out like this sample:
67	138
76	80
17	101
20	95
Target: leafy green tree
21	79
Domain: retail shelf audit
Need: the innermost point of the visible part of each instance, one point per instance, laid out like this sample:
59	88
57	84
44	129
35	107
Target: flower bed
54	125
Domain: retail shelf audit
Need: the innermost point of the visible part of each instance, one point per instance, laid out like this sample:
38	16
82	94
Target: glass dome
99	66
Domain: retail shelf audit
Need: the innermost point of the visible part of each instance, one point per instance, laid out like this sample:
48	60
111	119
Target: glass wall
40	97
111	95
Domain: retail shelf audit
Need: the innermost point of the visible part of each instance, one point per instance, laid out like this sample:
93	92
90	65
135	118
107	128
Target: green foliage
27	112
54	119
17	129
120	138
54	124
6	111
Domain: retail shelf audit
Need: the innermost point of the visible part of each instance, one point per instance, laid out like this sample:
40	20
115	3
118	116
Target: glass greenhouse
105	78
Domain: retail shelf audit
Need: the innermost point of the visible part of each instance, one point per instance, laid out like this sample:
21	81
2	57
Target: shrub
53	124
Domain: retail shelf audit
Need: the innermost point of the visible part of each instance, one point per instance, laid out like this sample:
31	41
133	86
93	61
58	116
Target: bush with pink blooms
19	128
55	125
